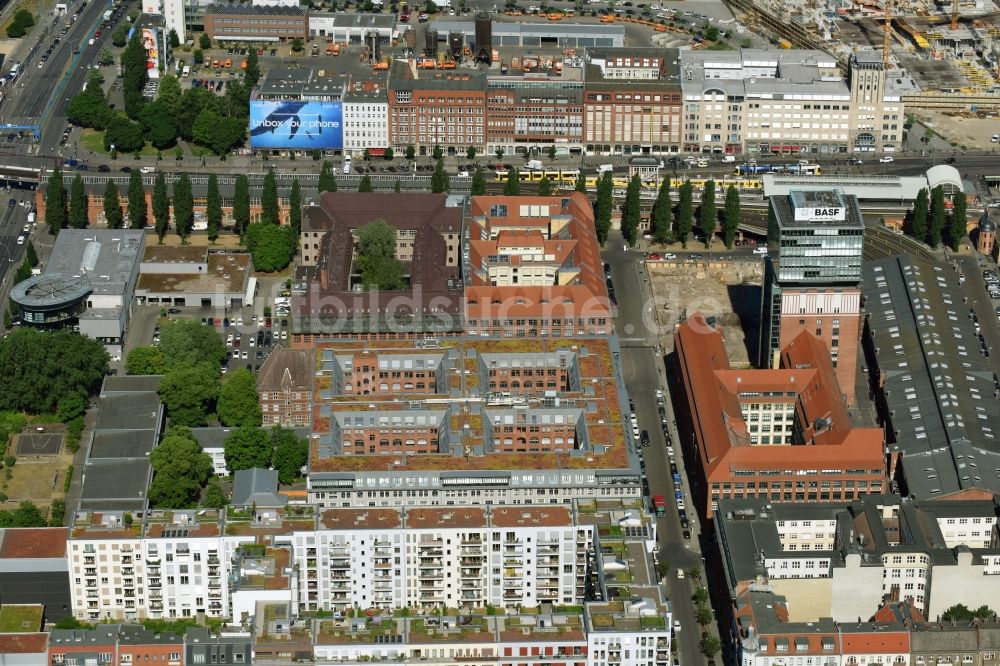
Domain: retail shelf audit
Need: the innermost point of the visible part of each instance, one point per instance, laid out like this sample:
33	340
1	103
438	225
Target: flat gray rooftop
120	484
135	411
109	444
106	258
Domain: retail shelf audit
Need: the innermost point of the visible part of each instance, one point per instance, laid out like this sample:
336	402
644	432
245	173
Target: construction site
939	56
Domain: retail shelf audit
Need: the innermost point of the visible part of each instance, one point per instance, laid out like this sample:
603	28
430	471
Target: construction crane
954	14
885	35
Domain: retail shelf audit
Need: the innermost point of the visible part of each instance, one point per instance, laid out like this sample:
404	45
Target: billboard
152	52
296	125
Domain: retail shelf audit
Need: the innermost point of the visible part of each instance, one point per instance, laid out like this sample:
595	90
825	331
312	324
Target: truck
107	15
186	72
660	505
604	168
533	165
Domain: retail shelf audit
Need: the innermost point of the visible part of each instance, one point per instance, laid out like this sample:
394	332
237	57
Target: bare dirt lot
727	290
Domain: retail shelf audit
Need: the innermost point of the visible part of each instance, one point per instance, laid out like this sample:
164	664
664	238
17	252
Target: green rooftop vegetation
20	619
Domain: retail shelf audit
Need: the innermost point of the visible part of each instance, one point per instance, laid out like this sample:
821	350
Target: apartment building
171	566
284	387
787	102
448	556
256	23
536	105
503	416
429	108
813	279
366	118
783	434
934	388
388	372
632	101
842	560
535	268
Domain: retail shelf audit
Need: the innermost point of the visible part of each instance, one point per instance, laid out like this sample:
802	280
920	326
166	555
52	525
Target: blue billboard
296	125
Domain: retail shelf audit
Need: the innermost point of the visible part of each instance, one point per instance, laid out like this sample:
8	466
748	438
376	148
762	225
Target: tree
78	218
20	24
295	207
204	41
134	75
173	39
919	214
478	187
470	153
55	202
161	206
271	247
40	368
213	207
237	406
291	453
731	216
253	69
297	45
31	255
189	393
120	36
397	187
217	132
365	184
241	204
198	56
389	154
660	220
581	183
90	107
248	447
327	183
180	470
712	34
214	496
937	216
959	220
25	515
183	207
545	187
123	135
551	152
685	212
512	187
410	153
631	210
957	613
498	153
602	207
186	343
146	360
708	214
136	201
377	257
700	595
112	206
703	614
269	211
440	182
710	645
438	152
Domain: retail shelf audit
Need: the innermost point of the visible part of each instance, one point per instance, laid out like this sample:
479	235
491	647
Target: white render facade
433	567
366	120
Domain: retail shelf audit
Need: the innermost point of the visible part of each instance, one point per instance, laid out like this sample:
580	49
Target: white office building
366	119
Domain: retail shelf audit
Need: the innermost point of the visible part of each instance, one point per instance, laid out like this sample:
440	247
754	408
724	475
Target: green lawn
18	619
93	140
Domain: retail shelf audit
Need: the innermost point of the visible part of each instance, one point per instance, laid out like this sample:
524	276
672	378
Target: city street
643	366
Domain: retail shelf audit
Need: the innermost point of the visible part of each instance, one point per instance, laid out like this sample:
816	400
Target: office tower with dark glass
812	277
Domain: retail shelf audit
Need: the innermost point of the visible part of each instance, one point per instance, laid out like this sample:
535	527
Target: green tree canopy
247	448
161	206
68	362
937	216
180	470
270	212
478	187
204	41
55	202
630	211
291	453
918	216
295	208
78	217
145	360
581	183
137	212
377	257
237	406
545	187
602	207
241	204
186	343
365	184
959	220
189	393
214	496
213	207
708	214
272	247
440	182
25	515
731	216
327	183
512	187
685	212
112	206
183	206
437	153
661	219
134	75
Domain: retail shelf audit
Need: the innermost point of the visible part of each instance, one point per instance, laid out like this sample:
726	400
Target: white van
729	158
603	168
347	166
761	250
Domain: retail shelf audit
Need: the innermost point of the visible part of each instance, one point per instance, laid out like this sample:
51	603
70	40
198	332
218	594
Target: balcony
156	605
155	582
213	560
214	584
213	571
153	571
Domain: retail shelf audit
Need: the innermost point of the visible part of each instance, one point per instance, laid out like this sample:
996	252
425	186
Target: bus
660	505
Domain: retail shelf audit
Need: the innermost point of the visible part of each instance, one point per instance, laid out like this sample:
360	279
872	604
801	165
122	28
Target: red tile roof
33	543
24	643
875	641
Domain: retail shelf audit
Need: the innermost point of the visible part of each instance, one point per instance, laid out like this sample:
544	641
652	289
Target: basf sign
296	125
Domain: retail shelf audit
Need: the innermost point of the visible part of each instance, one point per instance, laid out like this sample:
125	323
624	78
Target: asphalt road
643	365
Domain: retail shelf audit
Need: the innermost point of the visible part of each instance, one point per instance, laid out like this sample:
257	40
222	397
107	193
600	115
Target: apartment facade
442	557
429	108
787	102
632	101
366	119
531	110
284	387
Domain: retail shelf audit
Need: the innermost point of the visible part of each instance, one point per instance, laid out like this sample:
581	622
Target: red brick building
784	433
430	108
244	22
284	387
535	268
389	374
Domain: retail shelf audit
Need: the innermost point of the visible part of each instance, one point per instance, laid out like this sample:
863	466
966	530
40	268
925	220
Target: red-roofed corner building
866	643
535	268
783	434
